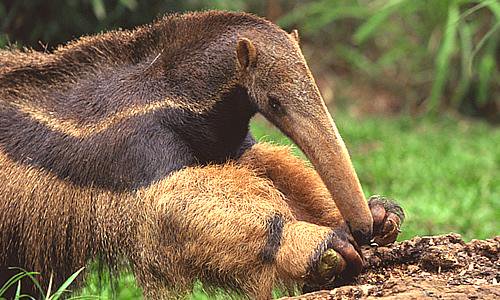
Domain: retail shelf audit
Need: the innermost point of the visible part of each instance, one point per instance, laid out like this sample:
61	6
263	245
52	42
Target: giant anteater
132	147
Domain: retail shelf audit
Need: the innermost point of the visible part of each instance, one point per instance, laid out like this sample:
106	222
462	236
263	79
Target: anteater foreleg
227	227
308	197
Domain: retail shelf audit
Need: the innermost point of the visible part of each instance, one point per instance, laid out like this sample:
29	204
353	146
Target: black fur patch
274	234
326	244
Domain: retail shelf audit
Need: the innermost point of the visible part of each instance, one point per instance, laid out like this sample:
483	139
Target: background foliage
430	52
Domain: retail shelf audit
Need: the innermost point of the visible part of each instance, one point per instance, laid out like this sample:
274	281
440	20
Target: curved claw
390	230
387	219
345	245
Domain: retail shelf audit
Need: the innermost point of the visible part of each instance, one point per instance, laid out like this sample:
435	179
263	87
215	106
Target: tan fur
311	200
202	222
47	224
295	35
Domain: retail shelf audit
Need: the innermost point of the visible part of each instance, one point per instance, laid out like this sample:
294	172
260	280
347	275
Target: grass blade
331	15
486	68
475	8
65	285
18	290
99	9
10	283
49	288
367	29
84	297
130	4
357	59
316	15
32	275
484	39
16	278
444	56
466	59
494	6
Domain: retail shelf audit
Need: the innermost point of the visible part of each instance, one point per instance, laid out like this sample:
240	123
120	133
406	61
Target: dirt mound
443	267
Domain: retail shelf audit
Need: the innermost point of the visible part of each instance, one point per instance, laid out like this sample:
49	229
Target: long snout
319	139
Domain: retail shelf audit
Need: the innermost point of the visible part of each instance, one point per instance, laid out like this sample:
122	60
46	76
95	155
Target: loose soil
437	267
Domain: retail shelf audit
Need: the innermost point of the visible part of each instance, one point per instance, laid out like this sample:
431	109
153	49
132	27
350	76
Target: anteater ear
295	35
246	53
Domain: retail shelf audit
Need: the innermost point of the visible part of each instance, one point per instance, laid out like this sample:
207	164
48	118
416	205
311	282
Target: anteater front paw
387	219
337	259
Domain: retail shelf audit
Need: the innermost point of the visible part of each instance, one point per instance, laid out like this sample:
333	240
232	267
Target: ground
437	267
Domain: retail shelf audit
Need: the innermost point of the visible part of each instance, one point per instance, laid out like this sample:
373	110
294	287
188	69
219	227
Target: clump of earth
437	267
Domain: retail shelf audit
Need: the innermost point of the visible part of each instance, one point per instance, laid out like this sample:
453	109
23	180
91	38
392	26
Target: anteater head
280	84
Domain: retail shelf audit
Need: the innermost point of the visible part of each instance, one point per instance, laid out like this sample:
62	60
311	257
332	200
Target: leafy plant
445	50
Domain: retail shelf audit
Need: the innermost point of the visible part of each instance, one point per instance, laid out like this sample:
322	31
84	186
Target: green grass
443	171
125	288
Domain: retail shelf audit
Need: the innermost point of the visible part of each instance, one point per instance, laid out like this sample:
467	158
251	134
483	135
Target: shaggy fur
202	222
132	147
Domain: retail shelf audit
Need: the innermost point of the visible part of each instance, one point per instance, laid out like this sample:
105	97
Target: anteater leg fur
227	227
51	226
305	192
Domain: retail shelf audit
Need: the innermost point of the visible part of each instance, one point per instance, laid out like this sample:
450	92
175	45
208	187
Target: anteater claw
387	219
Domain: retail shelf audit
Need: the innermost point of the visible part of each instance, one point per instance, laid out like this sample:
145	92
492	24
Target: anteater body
132	147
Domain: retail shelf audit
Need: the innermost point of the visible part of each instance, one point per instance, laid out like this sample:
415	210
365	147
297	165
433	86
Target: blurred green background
414	87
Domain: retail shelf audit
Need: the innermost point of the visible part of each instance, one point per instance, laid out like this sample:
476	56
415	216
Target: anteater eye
274	103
